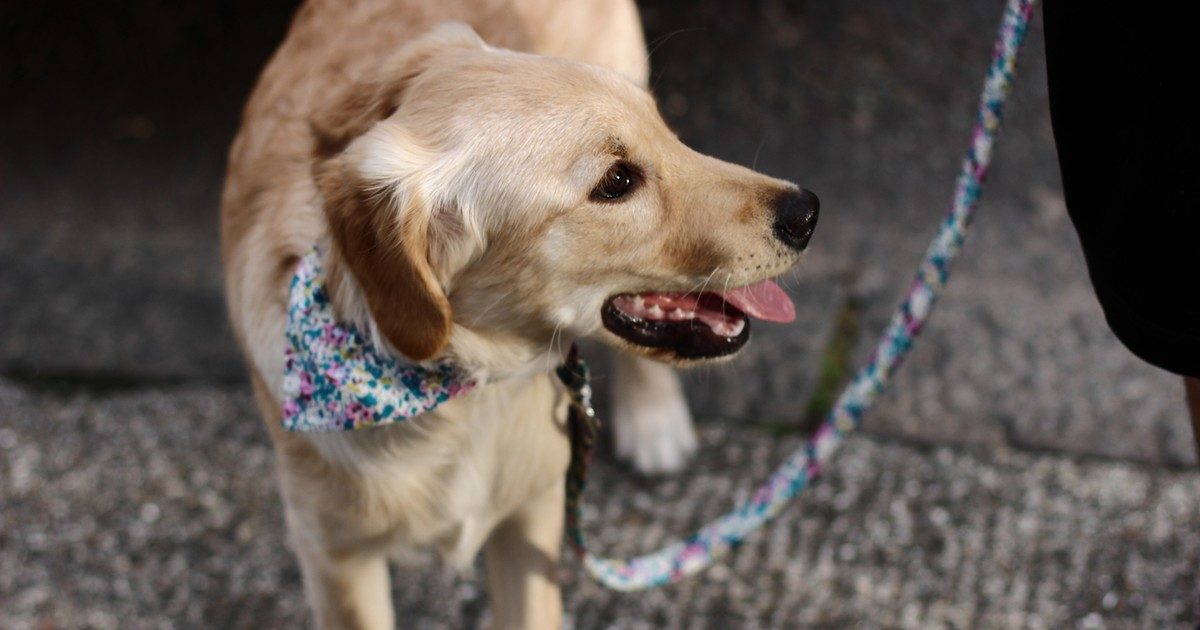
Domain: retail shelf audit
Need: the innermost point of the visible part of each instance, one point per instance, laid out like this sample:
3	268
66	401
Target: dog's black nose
796	217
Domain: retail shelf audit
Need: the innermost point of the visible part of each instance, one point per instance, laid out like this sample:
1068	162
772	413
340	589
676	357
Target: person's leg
1192	385
1126	135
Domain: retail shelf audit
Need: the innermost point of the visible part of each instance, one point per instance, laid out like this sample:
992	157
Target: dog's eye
619	181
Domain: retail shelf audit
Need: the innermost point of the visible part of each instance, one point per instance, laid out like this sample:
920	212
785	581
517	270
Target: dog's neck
487	356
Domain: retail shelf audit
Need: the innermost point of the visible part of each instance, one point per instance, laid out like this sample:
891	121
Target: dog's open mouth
703	325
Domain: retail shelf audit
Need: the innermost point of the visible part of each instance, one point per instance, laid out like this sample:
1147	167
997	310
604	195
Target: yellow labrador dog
482	179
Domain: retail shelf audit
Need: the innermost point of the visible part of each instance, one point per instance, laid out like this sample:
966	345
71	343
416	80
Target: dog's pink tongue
764	300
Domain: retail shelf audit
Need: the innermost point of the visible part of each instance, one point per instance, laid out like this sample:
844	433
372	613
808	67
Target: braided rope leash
716	539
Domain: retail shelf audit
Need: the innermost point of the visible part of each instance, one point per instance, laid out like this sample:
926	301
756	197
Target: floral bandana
335	379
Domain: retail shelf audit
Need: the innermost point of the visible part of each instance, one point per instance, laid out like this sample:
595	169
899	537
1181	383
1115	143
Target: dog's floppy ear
377	97
369	171
380	229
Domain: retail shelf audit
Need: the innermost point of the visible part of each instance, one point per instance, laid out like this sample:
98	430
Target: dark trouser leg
1127	135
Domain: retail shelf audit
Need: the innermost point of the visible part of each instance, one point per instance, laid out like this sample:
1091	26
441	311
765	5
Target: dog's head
481	196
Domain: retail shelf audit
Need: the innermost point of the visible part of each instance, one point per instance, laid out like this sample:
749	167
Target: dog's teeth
654	312
678	314
639	303
690	315
728	329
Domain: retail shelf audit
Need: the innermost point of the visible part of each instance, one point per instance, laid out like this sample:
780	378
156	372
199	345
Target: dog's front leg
522	564
651	421
345	590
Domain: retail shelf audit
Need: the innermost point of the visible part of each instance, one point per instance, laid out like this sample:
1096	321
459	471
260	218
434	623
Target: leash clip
575	376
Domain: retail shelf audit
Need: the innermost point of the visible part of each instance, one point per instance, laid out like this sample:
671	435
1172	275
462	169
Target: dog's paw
651	421
656	439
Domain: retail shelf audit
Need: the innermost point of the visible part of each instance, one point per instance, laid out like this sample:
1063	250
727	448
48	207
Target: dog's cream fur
450	181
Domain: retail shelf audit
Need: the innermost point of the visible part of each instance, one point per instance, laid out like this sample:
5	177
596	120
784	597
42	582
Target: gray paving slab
105	302
157	507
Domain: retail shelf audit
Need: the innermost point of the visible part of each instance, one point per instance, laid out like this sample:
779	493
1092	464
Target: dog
479	180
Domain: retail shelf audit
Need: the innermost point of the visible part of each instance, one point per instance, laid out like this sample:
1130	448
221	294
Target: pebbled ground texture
158	506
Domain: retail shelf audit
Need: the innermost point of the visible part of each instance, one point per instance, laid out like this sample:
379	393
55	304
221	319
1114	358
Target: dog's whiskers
699	287
479	317
790	279
723	292
553	345
656	44
761	142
